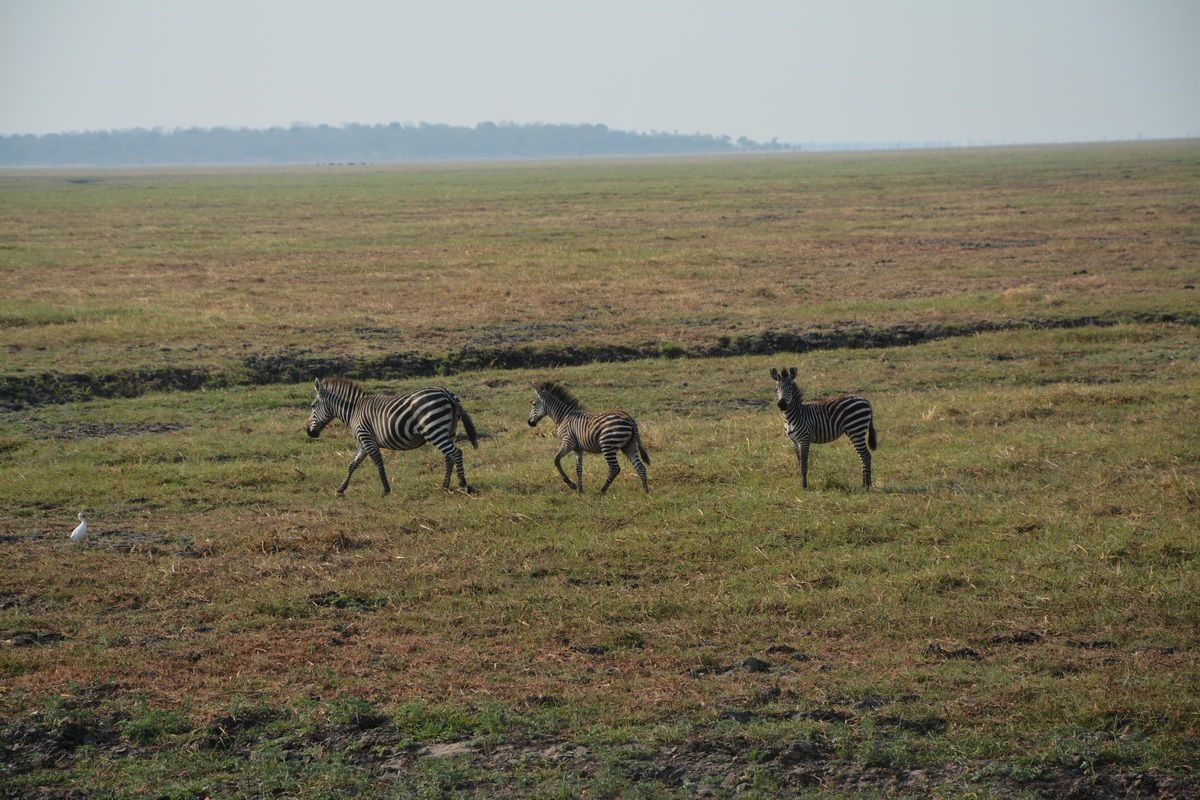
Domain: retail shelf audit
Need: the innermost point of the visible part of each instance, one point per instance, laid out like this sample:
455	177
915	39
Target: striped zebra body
822	421
580	431
393	422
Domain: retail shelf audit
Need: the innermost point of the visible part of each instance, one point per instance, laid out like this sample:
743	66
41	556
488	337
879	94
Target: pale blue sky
958	71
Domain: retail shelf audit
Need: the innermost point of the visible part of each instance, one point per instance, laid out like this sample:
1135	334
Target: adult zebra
822	421
604	432
396	422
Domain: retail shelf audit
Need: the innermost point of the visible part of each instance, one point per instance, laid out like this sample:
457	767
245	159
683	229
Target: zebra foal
822	421
395	422
605	432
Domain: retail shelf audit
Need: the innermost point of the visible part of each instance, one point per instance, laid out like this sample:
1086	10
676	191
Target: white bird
80	532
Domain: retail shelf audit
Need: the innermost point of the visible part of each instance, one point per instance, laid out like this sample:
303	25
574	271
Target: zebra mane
558	394
340	387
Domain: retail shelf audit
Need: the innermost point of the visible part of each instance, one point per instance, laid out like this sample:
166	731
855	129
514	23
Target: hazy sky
959	71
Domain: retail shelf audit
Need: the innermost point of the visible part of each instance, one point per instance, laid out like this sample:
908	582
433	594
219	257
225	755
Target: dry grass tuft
1022	295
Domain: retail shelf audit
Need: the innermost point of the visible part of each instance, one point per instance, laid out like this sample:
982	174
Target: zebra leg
802	455
455	460
444	441
614	469
377	457
358	459
631	451
462	473
558	457
579	469
864	455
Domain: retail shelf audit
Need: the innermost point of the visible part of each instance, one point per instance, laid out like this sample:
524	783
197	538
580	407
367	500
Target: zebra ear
317	384
774	373
792	374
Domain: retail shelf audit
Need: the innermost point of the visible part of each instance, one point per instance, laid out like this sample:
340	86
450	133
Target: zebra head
540	407
323	411
551	400
786	391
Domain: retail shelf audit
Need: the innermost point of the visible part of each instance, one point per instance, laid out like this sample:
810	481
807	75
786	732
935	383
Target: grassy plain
1012	612
206	267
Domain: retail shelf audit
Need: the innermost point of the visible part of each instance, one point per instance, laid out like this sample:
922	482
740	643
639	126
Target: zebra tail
468	425
641	449
871	441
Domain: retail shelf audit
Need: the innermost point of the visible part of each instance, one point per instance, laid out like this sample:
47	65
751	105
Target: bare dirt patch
298	366
100	430
706	763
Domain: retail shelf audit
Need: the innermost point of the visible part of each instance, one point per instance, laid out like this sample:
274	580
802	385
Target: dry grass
146	268
1012	611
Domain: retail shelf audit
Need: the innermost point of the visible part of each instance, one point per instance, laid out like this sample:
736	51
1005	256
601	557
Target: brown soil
701	765
298	366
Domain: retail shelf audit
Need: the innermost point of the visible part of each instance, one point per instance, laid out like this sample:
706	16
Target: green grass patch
1024	564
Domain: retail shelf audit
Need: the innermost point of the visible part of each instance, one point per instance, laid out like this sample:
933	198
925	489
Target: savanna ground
1012	612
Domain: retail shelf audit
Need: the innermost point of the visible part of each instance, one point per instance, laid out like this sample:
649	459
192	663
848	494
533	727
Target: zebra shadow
839	486
940	487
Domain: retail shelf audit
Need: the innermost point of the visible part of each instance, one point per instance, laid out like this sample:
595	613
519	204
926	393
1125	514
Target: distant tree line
395	142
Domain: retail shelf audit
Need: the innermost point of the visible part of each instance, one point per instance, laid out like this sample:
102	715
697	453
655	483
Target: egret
80	532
